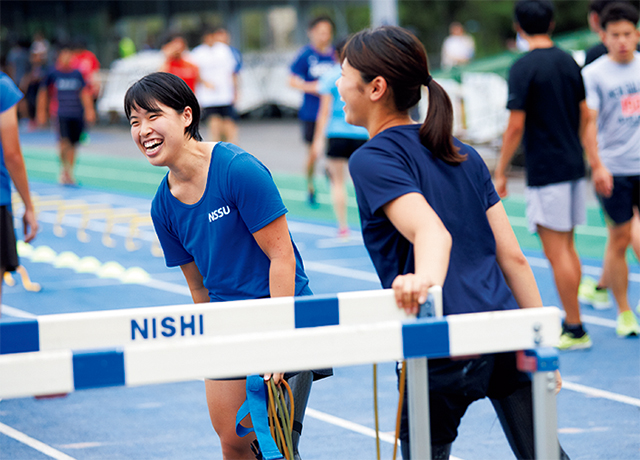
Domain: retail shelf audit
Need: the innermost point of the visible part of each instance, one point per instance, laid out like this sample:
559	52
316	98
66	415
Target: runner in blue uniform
218	216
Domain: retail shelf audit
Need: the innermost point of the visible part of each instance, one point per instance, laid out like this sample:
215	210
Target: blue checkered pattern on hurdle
19	335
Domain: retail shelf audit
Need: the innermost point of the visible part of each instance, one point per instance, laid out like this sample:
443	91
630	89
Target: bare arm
87	103
512	262
322	120
14	162
600	175
42	101
417	222
275	242
199	293
310	87
510	142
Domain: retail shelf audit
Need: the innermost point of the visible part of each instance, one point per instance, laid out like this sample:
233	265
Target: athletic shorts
223	111
618	208
340	147
8	252
308	129
455	384
560	207
70	128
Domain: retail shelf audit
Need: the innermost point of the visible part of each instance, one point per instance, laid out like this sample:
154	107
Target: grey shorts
560	207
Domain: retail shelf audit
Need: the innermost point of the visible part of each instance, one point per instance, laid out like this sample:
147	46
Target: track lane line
33	443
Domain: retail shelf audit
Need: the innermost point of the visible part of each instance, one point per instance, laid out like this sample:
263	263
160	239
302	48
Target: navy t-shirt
310	65
395	163
240	198
547	85
67	88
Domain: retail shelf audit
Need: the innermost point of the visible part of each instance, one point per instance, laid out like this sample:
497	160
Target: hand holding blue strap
256	405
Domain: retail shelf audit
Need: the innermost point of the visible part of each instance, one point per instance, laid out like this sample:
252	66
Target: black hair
166	89
597	6
619	12
396	55
338	46
534	16
317	20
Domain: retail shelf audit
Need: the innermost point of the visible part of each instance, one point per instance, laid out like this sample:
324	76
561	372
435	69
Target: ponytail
398	56
436	131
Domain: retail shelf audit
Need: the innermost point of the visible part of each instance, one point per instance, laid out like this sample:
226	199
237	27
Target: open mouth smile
152	146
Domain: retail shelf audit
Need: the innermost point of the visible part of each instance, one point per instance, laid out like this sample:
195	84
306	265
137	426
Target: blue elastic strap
256	405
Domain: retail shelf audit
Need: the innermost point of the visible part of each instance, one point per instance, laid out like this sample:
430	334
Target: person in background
594	292
12	169
31	82
88	65
126	47
547	109
74	109
612	145
595	10
175	63
312	61
343	139
458	48
217	90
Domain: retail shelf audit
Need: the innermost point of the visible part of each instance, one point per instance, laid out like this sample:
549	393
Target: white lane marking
341	271
596	393
33	443
355	427
15	312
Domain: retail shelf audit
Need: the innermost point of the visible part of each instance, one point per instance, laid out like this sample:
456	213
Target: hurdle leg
545	419
542	363
418	405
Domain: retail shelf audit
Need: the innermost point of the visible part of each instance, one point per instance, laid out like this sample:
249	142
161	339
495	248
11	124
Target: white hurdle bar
57	354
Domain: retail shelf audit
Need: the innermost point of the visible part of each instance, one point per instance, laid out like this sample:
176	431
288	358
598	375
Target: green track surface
138	177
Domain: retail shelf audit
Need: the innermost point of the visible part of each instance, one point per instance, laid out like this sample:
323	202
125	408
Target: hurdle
143	346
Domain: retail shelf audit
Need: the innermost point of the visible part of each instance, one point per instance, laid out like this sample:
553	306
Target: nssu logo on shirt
219	213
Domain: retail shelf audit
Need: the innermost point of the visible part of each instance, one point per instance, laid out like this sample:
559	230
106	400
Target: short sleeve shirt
10	95
338	127
613	90
217	65
310	65
546	84
67	86
395	163
216	232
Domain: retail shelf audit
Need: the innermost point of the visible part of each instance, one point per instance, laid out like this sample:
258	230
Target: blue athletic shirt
395	163
10	95
310	65
216	232
338	128
67	86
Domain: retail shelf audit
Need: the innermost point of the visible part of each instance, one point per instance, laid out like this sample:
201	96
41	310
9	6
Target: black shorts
341	147
223	111
8	252
308	129
454	385
70	128
618	208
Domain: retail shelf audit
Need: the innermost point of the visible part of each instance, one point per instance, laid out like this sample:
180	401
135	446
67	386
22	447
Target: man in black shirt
547	105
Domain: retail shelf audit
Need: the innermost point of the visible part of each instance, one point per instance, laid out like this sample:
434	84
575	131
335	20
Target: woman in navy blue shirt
430	216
